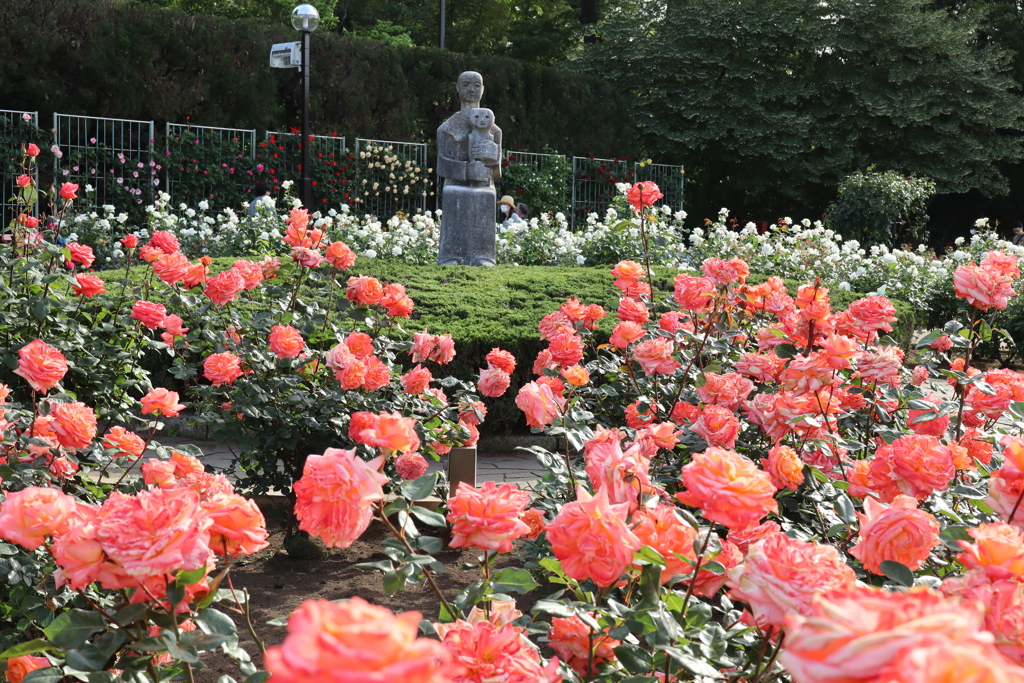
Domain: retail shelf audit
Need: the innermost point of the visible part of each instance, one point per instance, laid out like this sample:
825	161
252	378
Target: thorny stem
1015	506
245	611
964	388
128	469
696	568
426	572
696	355
487	579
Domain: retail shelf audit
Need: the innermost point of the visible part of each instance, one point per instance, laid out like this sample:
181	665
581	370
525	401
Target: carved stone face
470	86
481	118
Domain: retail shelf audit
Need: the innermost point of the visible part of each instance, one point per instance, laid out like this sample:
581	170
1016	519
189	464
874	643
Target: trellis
391	177
228	144
114	156
11	168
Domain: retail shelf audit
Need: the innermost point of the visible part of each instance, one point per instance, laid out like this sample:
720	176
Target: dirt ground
277	584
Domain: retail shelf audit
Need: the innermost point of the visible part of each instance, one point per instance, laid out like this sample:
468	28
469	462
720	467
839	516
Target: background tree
771	102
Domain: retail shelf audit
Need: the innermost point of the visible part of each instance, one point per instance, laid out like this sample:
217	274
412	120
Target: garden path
516	467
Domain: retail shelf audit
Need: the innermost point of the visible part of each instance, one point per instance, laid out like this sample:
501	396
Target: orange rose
286	341
898	532
392	433
128	444
88	285
998	550
573	642
19	667
592	540
364	290
780	576
334	496
539	404
728	488
717	426
161	401
225	286
853	633
74	424
250	272
41	365
493	382
488	517
29	516
149	314
784	467
358	641
238	527
417	380
222	368
171	268
656	356
662	529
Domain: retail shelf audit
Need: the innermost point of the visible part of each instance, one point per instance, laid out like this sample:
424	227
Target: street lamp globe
305	18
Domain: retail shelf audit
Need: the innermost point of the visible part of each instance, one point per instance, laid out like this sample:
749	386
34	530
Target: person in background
510	216
523	211
262	198
1018	234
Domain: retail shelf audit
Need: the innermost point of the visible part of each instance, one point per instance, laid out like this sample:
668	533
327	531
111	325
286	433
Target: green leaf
633	658
214	621
897	572
72	628
29	648
40	309
420	488
515	580
844	508
130	614
185	578
393	582
786	351
428	516
49	674
954	533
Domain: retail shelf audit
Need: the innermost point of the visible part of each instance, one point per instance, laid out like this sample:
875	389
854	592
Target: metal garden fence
14	130
203	162
391	177
114	156
593	184
670	180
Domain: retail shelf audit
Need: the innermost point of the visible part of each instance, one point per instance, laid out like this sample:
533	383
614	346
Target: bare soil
277	584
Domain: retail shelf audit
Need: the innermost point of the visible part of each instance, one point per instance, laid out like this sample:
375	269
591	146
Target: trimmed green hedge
484	308
136	61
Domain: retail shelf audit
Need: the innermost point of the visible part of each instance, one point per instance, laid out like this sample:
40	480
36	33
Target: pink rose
29	516
335	495
592	540
488	517
237	525
728	488
898	532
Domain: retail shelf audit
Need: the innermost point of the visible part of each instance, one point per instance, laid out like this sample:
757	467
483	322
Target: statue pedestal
467	226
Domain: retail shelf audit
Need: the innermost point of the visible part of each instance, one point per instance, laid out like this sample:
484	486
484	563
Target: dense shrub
125	60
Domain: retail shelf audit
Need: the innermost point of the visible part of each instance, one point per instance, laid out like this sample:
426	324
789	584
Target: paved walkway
517	467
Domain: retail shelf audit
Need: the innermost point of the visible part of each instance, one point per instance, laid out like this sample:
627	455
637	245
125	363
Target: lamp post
305	19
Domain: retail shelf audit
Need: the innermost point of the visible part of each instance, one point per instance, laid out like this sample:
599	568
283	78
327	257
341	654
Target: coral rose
74	424
780	576
128	444
161	401
641	195
417	380
726	272
784	467
983	287
286	341
655	356
225	286
340	256
873	313
237	525
172	268
573	641
853	633
694	293
728	488
396	302
165	241
335	495
566	349
28	516
898	532
41	365
355	641
364	290
493	382
662	529
998	551
88	285
936	659
157	531
81	253
535	519
625	333
1003	601
917	465
222	368
576	375
391	433
19	667
717	426
484	651
729	391
488	517
539	404
592	540
503	360
411	466
149	314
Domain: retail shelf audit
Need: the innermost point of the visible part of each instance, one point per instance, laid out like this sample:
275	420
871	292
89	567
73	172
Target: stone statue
469	159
